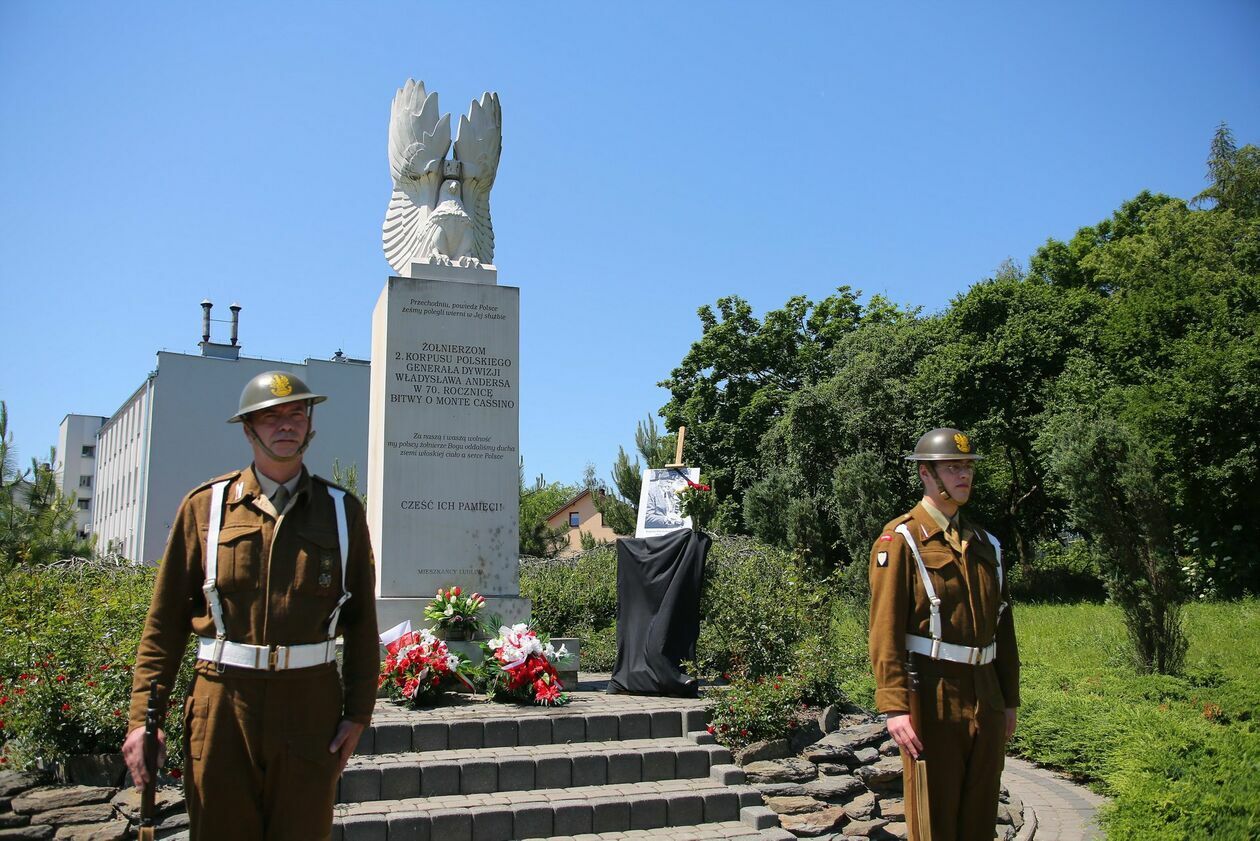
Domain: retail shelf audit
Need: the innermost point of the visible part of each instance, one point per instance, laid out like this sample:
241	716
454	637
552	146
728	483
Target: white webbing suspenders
936	648
220	650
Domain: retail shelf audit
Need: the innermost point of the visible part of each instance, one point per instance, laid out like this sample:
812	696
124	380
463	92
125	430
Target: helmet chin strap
272	454
941	484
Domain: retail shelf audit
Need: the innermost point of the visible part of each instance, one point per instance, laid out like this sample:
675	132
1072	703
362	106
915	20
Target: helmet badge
281	387
964	445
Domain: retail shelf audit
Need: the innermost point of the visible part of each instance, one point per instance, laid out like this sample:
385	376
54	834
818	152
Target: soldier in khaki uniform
939	596
266	566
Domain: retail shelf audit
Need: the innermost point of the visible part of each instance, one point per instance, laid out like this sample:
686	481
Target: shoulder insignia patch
885	537
882	559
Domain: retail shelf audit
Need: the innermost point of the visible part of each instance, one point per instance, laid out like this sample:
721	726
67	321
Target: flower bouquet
697	502
418	667
521	666
455	613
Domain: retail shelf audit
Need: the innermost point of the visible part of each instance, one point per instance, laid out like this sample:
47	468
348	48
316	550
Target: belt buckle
973	657
272	664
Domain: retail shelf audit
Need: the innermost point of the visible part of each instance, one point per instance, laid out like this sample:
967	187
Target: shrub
752	709
1058	572
571	593
68	638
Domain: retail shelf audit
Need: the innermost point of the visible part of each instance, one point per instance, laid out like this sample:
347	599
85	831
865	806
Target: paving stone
684	809
430	736
721	805
477	776
610	814
466	734
532	821
392	738
727	775
450	824
601	728
625	767
363	828
666	724
648	813
572	817
635	726
516	774
367	743
590	769
658	764
361	784
568	729
399	781
554	772
500	733
695	719
534	731
439	778
491	823
408	828
758	817
691	764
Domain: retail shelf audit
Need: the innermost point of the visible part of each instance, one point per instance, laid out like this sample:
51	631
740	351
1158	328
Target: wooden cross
678	462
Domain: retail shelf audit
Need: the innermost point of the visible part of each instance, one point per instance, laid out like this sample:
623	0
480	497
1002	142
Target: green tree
348	478
1234	175
537	502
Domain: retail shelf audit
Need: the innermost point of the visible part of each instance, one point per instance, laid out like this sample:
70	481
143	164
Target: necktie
280	499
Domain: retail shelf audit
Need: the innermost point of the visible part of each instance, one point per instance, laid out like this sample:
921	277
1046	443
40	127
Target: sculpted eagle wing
419	138
478	145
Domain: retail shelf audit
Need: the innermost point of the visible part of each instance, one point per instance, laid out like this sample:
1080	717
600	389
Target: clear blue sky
656	157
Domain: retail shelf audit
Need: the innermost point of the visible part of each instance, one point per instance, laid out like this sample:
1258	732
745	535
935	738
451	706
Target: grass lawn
1180	755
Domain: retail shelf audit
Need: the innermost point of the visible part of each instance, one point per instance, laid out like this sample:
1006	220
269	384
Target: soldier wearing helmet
266	566
940	619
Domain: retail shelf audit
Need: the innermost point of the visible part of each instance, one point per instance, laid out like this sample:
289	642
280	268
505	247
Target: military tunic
963	730
256	741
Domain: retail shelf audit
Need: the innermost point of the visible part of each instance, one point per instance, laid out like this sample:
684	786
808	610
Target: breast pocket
946	579
240	557
318	563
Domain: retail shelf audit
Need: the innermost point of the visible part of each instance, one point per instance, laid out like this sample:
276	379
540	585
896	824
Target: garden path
1065	811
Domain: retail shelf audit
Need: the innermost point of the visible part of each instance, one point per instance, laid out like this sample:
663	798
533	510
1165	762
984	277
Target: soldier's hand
1010	722
133	754
344	743
902	731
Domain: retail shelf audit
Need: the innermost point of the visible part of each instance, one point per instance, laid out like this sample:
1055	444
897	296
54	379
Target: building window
89	451
85	504
85	481
574	519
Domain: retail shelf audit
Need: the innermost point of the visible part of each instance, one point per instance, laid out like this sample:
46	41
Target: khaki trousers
964	744
257	766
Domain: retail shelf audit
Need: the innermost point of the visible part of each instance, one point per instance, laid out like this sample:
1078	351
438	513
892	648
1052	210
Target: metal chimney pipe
205	319
236	320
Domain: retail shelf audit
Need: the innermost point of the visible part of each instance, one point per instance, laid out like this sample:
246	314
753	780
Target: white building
172	434
76	463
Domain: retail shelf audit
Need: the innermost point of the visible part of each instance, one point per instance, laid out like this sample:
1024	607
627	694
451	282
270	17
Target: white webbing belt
220	650
936	648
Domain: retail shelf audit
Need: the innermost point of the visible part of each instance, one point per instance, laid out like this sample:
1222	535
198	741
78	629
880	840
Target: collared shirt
269	487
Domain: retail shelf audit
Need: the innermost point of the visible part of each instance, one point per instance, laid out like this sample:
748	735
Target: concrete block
393	738
491	823
702	737
666	724
572	817
683	809
367	743
720	806
610	814
429	735
728	775
719	755
409	828
758	817
516	774
635	726
363	828
658	764
590	770
749	797
696	718
601	728
466	734
625	767
437	778
399	781
500	733
478	776
336	828
532	821
451	824
554	772
533	731
691	764
648	812
361	784
568	729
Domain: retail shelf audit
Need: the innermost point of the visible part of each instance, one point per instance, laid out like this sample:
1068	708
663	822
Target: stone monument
443	480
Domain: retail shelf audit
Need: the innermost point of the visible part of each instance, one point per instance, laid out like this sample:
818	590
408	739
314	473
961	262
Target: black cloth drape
658	612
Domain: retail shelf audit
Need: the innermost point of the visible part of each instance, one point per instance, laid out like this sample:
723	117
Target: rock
866	828
15	782
893	809
885	770
829	719
823	753
761	751
8	820
814	823
175	827
37	832
165	800
780	789
861	807
805	735
113	831
59	797
834	788
894	830
889	748
866	756
1004	833
833	770
857	736
794	805
781	771
71	815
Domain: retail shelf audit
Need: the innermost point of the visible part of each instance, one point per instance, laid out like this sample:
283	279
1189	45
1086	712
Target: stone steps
605	766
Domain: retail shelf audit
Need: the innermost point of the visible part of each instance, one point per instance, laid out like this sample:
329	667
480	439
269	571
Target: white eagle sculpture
440	209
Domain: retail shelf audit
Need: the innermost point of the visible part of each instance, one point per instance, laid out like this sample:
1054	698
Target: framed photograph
659	511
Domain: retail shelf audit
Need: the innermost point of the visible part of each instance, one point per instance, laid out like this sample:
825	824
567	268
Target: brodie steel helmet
273	388
944	444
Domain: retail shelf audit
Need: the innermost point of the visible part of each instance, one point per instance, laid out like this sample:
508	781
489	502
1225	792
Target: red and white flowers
418	667
453	609
523	667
